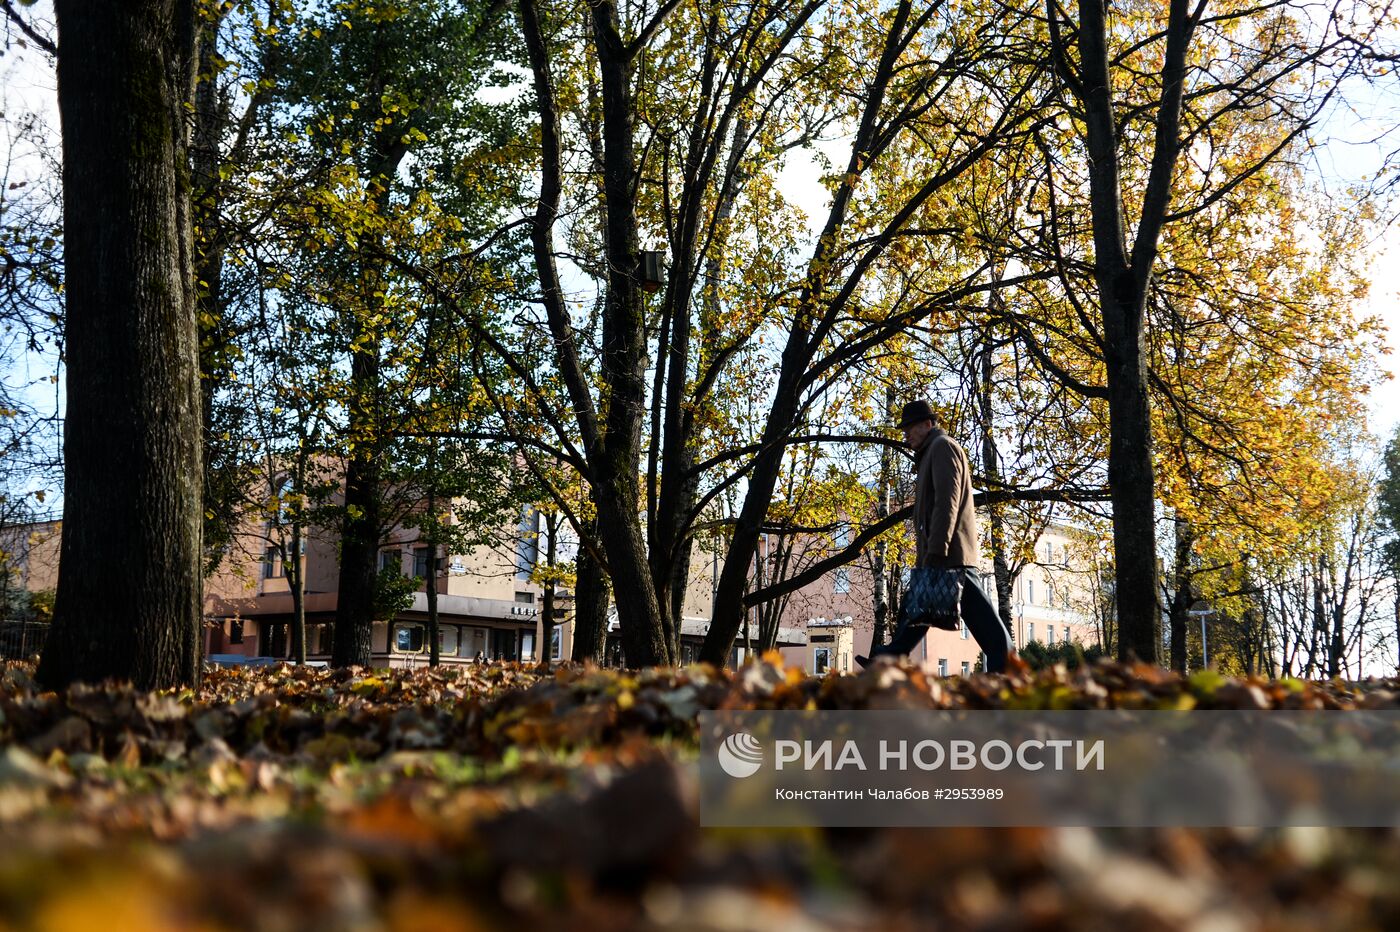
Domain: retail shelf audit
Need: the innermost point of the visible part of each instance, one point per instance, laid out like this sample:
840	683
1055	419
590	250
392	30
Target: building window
527	645
1030	633
942	666
473	643
965	668
391	558
235	631
841	583
1049	634
272	567
528	598
1030	591
420	561
821	660
556	644
447	640
408	639
962	629
527	551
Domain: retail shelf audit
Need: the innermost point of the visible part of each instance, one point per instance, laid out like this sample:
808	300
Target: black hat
914	412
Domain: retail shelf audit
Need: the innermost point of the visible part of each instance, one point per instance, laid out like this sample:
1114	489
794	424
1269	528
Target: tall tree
1142	86
381	101
129	599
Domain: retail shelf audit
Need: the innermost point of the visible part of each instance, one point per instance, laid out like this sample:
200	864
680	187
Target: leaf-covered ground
496	796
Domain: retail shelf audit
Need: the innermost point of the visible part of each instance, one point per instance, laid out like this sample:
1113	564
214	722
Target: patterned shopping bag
934	597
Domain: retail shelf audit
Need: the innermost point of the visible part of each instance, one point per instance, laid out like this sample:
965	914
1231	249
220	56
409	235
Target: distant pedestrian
945	535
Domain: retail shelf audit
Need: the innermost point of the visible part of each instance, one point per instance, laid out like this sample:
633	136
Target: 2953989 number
966	792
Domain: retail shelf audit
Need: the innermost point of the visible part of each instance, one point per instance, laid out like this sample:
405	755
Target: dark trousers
978	613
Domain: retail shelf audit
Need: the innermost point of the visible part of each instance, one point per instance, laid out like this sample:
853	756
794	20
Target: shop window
408	639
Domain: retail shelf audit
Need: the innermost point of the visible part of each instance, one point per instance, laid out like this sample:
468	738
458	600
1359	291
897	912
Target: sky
1355	142
1353	145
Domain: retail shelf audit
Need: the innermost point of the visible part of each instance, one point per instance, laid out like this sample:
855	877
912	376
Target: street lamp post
1202	613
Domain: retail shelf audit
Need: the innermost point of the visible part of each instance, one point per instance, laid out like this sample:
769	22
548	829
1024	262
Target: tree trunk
880	630
362	523
729	612
1182	598
359	530
1121	278
590	609
129	600
624	351
1132	486
880	571
215	338
297	584
1397	624
430	580
552	522
1319	616
991	468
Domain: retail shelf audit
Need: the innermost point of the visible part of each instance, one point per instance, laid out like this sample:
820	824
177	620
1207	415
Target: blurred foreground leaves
490	796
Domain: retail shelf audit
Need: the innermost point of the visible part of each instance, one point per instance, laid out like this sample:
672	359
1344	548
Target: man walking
945	535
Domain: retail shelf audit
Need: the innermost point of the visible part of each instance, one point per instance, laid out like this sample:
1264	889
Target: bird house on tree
653	272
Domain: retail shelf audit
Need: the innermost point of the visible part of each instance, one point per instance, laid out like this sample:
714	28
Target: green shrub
1041	655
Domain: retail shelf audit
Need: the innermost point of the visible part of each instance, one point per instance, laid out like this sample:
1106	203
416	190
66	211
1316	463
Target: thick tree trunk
360	523
359	549
624	351
1132	485
129	600
1121	279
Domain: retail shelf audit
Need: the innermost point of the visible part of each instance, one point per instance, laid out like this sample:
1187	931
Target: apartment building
28	578
489	609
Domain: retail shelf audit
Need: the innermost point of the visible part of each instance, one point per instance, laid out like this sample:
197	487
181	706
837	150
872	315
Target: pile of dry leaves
486	796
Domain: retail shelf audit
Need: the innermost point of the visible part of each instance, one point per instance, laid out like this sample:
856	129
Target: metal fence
20	640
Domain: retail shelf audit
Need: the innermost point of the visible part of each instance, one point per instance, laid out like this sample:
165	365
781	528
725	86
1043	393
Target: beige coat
945	522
